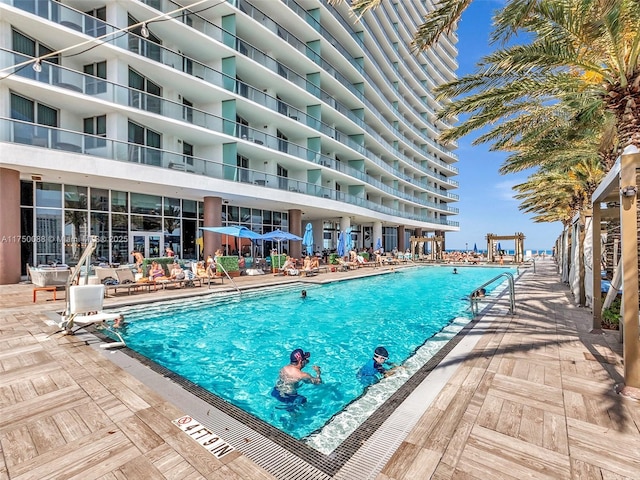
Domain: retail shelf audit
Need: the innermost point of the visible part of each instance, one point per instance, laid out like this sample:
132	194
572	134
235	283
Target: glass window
256	217
99	199
201	210
276	219
172	234
95	126
171	226
48	195
100	228
26	228
49	231
189	235
119	201
26	193
172	207
266	217
22	108
245	215
145	223
233	214
75	197
75	235
93	85
146	204
189	208
119	238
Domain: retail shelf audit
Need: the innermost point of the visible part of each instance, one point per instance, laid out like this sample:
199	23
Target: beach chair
86	309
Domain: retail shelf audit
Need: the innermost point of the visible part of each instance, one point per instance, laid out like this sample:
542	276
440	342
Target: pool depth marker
205	437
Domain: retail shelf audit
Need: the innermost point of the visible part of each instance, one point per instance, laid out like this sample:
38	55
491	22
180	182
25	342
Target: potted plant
230	264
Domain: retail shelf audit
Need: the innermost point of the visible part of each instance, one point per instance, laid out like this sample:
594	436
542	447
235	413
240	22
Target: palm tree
583	51
593	41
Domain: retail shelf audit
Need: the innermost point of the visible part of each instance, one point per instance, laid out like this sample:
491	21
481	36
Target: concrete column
345	222
401	243
212	218
295	227
377	233
9	226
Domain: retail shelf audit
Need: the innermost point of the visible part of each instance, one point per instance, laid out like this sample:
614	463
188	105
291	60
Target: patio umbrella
307	240
499	247
280	236
348	241
379	244
234	231
341	244
475	248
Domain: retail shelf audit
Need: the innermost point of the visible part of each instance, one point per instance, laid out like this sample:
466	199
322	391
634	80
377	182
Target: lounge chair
86	308
106	274
127	281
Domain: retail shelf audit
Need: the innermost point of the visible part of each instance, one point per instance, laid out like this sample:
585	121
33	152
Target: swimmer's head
298	354
303	294
381	352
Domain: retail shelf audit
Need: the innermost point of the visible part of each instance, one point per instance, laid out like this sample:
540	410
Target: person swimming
291	377
303	294
374	369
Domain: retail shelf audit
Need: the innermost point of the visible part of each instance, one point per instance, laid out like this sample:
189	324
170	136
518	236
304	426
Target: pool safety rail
224	270
474	297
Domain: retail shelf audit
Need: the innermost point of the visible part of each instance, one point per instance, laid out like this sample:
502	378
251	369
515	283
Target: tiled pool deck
533	399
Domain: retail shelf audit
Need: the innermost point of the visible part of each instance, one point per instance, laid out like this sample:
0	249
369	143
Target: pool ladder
512	293
229	277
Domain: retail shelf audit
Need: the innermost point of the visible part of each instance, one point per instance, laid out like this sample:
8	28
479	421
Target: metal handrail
512	293
228	276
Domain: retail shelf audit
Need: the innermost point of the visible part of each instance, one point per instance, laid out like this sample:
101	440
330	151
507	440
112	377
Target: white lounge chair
85	308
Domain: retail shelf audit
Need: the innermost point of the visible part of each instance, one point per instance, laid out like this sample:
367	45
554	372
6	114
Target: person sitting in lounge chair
315	262
156	272
379	258
307	269
289	267
176	273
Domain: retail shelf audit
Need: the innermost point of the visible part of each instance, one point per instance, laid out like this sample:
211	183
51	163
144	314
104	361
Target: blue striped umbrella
379	244
348	240
307	240
341	244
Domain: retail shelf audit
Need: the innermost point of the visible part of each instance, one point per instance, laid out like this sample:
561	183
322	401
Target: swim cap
298	354
382	352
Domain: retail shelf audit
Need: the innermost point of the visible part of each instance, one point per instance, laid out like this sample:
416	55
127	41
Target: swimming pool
234	346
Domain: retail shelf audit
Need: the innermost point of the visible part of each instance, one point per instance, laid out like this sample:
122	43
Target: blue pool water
234	346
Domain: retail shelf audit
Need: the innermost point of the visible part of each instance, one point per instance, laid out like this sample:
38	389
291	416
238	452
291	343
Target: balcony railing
15	131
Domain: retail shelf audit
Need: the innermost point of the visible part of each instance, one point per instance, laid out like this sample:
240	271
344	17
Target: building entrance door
150	244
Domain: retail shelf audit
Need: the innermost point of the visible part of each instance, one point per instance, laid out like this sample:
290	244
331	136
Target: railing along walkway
534	399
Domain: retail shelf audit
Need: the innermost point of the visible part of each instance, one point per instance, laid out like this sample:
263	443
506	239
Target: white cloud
504	190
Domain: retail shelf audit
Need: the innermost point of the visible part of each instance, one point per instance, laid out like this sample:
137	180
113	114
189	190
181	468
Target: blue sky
486	199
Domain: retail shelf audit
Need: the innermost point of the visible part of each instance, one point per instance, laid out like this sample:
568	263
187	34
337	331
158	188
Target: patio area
534	398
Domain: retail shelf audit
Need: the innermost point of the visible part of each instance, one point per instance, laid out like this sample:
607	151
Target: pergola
519	248
617	195
436	246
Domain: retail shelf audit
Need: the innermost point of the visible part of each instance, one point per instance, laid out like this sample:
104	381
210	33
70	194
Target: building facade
142	121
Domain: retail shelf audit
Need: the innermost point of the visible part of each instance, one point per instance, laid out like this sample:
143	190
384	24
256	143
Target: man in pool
374	369
291	376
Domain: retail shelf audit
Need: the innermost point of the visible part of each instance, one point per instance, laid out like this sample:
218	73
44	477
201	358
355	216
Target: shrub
230	264
611	314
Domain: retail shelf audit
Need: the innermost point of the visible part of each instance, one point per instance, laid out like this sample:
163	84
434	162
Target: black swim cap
382	352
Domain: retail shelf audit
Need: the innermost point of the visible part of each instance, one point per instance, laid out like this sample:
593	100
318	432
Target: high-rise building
142	121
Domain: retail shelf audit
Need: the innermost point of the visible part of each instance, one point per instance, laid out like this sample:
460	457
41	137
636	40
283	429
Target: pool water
234	346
